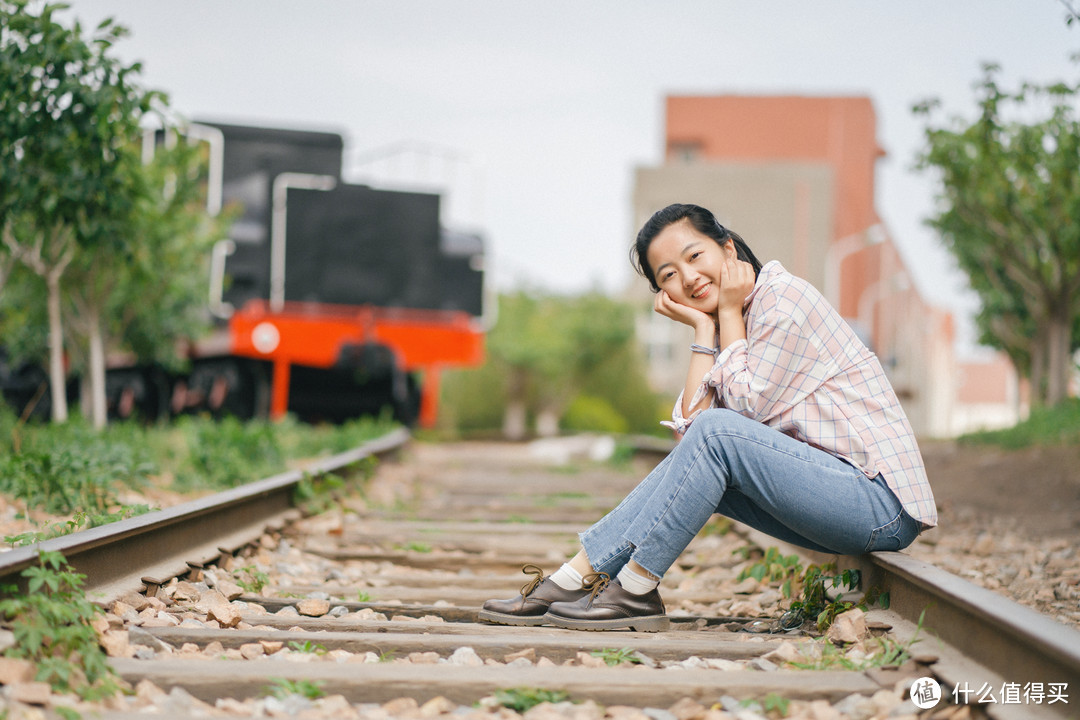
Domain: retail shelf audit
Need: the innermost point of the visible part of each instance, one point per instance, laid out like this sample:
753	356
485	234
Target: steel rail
1013	641
162	544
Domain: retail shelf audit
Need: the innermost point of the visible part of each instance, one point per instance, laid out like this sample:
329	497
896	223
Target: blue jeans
732	465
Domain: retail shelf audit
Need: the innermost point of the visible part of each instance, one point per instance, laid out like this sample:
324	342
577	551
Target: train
329	300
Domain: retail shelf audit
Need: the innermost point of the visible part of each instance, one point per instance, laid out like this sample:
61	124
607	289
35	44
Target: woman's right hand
684	314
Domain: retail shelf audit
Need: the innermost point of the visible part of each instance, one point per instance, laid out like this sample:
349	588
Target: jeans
732	465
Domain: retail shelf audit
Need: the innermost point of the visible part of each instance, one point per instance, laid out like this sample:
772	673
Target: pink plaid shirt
803	371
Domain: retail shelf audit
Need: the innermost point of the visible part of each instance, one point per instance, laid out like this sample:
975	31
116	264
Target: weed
319	494
884	651
282	688
771	703
363	596
251	579
79	521
307	647
416	546
521	699
774	567
611	656
51	624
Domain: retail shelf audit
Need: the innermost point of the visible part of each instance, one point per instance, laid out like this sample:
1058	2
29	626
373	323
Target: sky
532	116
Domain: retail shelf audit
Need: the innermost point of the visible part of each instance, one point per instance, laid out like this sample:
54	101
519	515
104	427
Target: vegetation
612	657
558	363
282	688
810	586
101	243
69	469
523	698
51	622
1008	204
1045	426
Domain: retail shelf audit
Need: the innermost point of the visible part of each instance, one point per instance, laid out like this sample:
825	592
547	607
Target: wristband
702	349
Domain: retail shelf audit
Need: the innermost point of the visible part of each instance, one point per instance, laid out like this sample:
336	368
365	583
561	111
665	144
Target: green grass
70	468
1059	425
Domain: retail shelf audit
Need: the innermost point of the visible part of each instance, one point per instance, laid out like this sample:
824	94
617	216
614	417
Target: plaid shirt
803	371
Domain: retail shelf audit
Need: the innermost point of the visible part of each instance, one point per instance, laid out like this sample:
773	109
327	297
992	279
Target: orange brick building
795	177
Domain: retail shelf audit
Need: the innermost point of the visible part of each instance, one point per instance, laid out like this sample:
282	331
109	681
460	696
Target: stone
185	592
466	657
115	643
786	653
135	600
226	615
856	707
251	651
437	706
590	661
406	706
229	589
848	627
7	638
138	636
29	693
338	611
527	654
746	608
271	646
745	586
14	670
313	607
688	709
822	710
423	658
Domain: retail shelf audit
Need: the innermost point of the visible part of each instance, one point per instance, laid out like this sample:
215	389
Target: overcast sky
535	114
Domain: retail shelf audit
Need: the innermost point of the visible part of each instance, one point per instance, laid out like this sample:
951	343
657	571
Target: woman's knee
712	422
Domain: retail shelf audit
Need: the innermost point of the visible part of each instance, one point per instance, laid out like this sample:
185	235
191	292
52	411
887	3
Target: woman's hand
684	314
736	282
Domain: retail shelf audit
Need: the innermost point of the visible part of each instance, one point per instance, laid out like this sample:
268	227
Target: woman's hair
702	220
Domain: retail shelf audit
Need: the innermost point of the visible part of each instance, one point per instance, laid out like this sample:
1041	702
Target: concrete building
795	177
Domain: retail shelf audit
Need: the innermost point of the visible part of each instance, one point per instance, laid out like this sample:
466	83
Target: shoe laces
596	582
538	577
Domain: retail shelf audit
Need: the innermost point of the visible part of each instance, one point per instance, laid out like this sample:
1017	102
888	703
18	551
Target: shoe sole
648	623
504	619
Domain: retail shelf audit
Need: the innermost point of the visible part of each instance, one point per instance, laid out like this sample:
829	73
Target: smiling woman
788	424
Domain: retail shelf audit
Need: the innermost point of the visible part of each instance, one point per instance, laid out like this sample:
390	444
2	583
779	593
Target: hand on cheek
736	282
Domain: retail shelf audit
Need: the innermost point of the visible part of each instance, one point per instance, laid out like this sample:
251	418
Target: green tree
550	349
1008	206
141	284
66	114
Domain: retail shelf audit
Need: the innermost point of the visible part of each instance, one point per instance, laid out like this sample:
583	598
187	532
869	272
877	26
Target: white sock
634	583
568	578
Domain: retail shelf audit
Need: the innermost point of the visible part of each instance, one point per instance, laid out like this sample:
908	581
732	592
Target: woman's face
686	265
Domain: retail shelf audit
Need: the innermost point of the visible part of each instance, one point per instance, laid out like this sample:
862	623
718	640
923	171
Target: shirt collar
768	271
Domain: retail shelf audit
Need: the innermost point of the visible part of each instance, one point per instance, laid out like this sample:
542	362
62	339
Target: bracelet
702	349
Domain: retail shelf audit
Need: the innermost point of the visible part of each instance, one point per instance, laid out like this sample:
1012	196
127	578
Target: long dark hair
702	220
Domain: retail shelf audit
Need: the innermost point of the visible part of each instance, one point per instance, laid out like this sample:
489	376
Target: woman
788	425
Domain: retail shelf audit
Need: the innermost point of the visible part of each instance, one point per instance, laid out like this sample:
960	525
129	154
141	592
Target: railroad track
373	606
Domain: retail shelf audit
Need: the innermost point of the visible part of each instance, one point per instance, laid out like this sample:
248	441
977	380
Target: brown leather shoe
610	607
529	607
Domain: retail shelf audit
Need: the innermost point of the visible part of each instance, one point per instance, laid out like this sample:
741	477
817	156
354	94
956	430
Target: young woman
788	425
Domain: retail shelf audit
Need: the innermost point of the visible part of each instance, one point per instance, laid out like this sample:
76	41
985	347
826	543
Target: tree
139	285
66	112
1008	205
552	349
